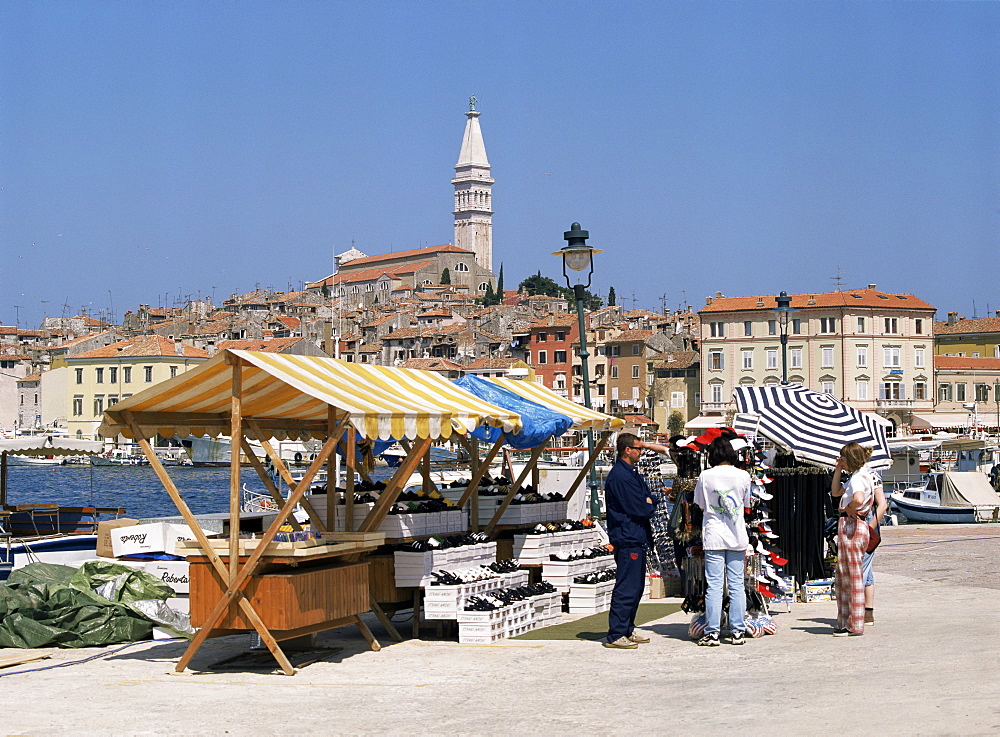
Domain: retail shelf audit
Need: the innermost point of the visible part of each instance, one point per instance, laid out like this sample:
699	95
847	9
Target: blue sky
150	150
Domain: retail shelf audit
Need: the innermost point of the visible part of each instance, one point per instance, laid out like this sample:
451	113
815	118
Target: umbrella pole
3	480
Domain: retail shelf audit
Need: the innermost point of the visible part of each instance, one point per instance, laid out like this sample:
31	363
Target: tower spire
473	198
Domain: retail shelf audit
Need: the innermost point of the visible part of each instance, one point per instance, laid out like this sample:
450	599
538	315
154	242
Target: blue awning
538	423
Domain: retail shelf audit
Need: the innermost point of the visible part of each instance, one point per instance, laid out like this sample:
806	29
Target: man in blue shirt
629	505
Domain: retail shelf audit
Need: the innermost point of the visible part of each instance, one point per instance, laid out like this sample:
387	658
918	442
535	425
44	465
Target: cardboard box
174	573
104	546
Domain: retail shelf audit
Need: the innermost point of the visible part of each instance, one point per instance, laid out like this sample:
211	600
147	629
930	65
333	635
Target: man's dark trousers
629	584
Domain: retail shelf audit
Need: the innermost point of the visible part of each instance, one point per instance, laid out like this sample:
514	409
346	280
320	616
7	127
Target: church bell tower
473	197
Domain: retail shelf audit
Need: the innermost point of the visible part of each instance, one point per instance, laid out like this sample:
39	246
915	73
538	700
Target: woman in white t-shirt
723	492
856	498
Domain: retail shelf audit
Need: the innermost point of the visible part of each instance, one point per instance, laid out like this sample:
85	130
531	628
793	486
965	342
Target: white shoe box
156	537
174	573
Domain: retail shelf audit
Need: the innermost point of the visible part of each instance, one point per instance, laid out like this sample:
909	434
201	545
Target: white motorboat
949	496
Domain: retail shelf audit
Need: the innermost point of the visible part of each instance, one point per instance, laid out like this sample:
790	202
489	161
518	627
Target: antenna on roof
838	280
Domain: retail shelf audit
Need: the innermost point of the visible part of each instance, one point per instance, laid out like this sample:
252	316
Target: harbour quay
928	666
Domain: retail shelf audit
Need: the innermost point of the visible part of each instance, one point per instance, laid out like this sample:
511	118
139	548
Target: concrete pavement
929	666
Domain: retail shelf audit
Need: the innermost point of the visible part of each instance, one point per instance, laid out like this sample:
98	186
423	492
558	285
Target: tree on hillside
611	297
489	297
538	284
446	276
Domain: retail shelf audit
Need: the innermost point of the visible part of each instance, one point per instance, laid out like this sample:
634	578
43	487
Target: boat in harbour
949	496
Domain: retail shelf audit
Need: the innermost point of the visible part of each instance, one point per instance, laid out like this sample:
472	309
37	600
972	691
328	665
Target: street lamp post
578	257
784	313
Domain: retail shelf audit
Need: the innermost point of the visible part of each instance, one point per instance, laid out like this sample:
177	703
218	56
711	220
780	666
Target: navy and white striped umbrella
814	426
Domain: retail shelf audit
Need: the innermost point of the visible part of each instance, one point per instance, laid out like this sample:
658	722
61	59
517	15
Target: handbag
874	538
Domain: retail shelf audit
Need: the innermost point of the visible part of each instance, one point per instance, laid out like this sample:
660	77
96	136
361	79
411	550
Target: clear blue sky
156	149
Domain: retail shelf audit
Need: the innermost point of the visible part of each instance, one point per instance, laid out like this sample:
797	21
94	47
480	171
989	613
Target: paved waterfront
931	665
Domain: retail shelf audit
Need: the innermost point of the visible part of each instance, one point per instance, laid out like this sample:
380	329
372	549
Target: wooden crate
287	599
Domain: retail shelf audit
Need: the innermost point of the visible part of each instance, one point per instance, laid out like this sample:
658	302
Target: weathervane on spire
472	104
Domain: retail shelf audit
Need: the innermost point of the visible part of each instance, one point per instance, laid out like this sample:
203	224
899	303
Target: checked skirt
852	539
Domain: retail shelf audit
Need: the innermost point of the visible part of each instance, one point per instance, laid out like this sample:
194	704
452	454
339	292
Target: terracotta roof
82	339
847	298
975	325
638	420
553	321
273	345
631	336
964	362
15	356
446	248
432	364
143	345
681	359
31	377
493	363
426	331
368	275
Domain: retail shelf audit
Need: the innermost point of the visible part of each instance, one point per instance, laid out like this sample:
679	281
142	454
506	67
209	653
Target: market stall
240	585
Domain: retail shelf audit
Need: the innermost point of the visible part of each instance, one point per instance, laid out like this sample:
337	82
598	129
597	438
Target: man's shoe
710	639
737	637
638	639
838	632
622	643
869	617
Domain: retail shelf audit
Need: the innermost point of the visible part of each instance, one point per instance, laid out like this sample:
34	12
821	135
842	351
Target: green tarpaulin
101	603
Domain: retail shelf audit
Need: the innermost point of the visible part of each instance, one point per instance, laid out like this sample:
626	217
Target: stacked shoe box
447	602
484	628
414	569
561	573
593	598
590	598
515	514
481	628
548	609
535	549
402	525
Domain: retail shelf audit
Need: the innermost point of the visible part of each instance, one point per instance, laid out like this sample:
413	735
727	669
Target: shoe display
709	639
622	643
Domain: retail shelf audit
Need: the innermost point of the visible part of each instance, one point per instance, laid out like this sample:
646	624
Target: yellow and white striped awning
289	396
583	418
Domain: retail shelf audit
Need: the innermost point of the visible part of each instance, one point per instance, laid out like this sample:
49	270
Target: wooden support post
332	482
535	455
351	453
386	622
426	484
235	436
586	466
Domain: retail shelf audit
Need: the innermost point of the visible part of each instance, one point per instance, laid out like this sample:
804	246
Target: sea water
137	489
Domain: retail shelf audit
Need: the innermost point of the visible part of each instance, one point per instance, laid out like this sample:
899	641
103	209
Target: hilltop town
443	308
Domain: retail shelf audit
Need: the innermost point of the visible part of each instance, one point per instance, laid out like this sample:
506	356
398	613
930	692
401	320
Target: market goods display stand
284	592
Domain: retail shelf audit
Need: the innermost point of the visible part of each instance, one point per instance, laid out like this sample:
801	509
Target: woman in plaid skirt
852	536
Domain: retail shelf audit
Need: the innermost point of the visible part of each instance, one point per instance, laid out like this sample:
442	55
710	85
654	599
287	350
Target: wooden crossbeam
535	455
